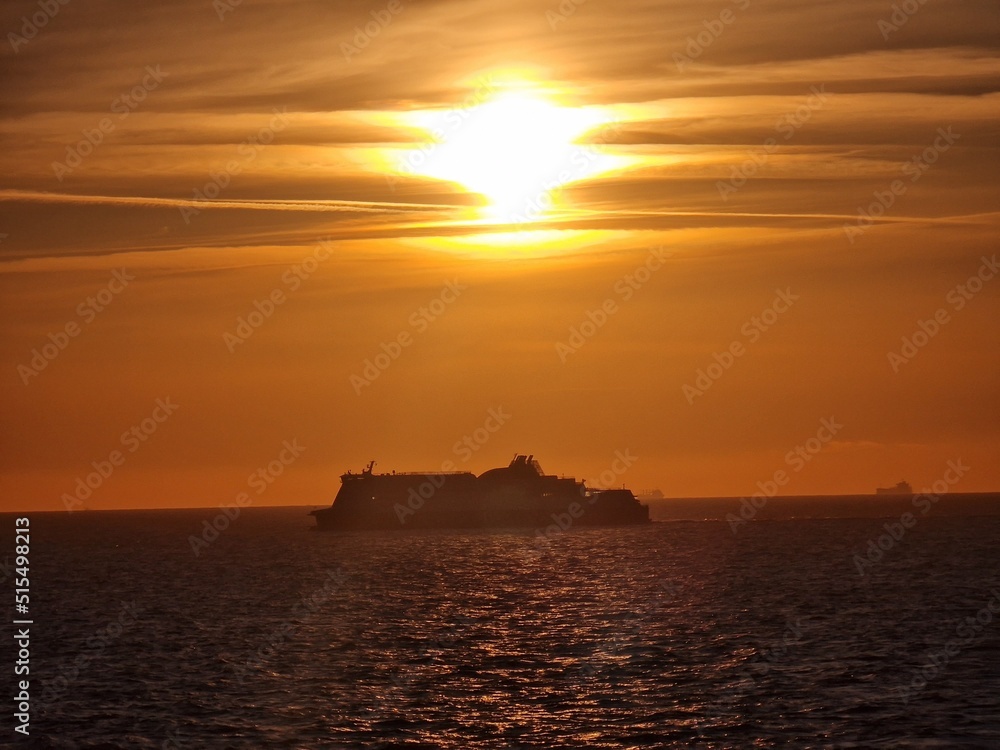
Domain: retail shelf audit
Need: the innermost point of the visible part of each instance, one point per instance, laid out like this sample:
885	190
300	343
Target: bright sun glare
514	149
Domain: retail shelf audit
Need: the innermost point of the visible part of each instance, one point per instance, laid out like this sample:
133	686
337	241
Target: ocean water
676	634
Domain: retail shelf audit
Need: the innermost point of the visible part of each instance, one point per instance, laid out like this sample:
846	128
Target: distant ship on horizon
517	495
653	494
902	488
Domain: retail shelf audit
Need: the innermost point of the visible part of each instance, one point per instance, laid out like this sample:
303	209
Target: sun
515	149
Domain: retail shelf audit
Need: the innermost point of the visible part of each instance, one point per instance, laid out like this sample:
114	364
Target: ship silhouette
902	488
517	495
652	494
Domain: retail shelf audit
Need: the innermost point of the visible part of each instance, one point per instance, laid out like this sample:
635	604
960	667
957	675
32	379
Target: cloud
30	196
696	93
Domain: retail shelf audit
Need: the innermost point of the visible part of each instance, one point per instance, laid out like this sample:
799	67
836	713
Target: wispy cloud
32	196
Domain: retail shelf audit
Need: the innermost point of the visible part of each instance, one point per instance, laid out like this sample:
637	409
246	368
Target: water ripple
672	635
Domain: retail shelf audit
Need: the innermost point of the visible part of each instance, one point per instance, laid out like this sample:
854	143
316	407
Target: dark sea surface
771	633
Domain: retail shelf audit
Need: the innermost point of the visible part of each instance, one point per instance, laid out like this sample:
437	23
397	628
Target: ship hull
391	501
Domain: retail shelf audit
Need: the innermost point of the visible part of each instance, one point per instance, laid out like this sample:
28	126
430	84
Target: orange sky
719	212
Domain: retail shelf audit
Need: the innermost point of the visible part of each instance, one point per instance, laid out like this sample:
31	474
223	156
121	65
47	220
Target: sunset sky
689	231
